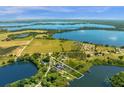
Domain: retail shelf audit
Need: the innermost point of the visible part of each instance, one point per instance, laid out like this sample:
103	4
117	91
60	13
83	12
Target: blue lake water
49	25
98	77
16	71
104	37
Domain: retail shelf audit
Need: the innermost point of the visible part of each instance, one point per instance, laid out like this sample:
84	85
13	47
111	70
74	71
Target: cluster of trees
34	58
53	78
108	61
118	80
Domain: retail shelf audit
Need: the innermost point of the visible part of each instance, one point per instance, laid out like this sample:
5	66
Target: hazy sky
10	13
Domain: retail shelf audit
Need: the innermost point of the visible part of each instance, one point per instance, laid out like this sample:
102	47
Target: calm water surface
22	35
16	71
104	37
97	77
49	25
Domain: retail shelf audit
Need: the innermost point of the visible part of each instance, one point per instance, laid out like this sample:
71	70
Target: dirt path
20	52
38	85
47	70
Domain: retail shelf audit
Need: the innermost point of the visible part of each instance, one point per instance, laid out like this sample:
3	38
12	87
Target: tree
120	57
118	80
36	55
46	59
11	61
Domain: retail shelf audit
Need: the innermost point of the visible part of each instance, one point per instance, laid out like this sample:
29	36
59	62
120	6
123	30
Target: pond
97	77
104	37
22	35
16	71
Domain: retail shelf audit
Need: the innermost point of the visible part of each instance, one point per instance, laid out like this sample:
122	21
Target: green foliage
36	55
121	57
54	79
107	61
46	59
118	80
11	61
78	65
76	54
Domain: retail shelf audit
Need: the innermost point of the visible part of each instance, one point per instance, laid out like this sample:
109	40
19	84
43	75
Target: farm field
46	46
9	47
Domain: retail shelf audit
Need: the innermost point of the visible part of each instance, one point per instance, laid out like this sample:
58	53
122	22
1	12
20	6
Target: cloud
56	9
10	10
24	9
101	10
95	9
71	12
22	17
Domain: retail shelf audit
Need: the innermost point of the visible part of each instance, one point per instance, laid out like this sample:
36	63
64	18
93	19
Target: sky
61	12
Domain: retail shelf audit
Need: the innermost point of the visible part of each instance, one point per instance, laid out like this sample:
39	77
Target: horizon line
33	19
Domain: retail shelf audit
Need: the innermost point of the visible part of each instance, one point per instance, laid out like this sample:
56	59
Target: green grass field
13	47
46	46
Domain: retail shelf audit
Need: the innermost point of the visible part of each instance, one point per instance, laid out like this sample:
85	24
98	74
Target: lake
97	77
16	71
60	25
104	37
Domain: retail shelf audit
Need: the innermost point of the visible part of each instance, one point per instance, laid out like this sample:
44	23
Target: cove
102	37
16	71
97	77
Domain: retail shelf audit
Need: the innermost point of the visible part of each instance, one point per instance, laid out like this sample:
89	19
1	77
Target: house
59	67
